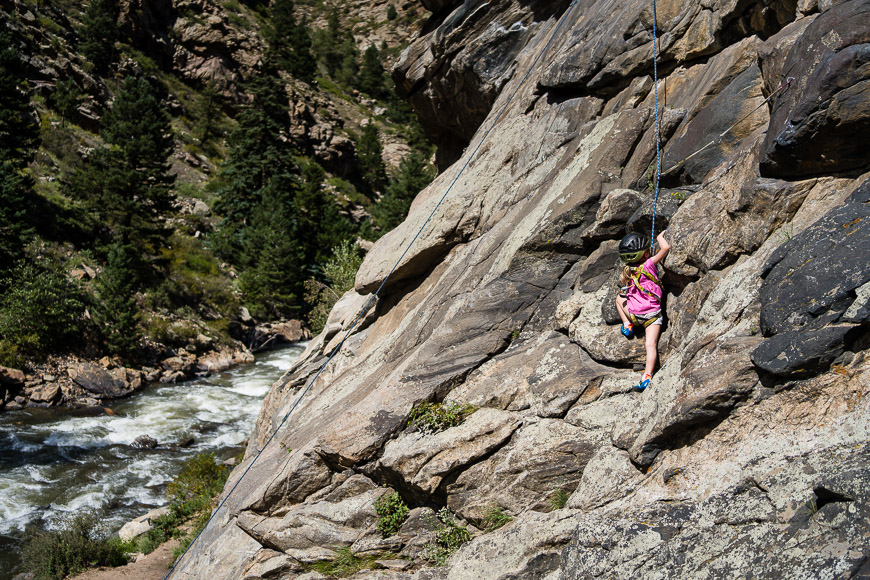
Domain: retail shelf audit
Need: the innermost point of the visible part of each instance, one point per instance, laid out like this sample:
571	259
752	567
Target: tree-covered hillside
168	169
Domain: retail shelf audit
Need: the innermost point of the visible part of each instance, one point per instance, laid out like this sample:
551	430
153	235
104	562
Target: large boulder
810	282
821	123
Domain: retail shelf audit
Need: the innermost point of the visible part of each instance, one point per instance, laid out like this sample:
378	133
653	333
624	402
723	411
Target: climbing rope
782	86
376	293
652	238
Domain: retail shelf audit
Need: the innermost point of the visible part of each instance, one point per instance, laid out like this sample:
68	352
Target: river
57	461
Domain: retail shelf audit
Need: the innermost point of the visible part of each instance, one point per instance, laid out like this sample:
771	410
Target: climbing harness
386	278
636	274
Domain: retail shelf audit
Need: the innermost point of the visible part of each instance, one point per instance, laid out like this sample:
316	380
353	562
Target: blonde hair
625	276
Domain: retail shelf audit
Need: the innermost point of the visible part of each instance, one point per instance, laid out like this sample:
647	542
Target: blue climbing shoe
626	331
644	383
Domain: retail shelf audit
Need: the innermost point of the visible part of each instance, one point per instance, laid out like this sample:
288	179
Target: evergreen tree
98	33
319	215
41	311
372	80
289	42
391	13
272	284
371	158
19	130
127	185
65	99
14	229
259	153
207	110
116	311
413	175
19	137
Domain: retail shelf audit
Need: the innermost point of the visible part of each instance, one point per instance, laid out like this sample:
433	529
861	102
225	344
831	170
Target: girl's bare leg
651	343
620	307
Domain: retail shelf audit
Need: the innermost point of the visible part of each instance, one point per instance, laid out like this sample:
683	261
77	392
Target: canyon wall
748	453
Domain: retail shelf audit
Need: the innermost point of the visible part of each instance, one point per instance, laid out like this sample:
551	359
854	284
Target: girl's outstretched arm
664	247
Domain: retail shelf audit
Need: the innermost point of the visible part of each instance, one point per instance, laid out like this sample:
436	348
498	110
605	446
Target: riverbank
76	382
61	461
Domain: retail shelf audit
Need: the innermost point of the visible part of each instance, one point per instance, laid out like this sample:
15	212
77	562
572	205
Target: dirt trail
153	566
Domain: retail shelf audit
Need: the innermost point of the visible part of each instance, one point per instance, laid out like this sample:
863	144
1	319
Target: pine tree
319	215
259	153
207	110
272	284
98	33
371	76
19	131
116	311
127	185
14	229
289	42
413	175
65	99
19	137
371	158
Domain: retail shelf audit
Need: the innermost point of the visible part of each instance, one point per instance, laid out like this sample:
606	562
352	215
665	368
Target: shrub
80	543
200	478
340	271
191	494
40	312
392	513
434	417
557	500
495	518
449	536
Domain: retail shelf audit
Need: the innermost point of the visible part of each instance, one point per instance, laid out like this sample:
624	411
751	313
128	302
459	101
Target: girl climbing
640	298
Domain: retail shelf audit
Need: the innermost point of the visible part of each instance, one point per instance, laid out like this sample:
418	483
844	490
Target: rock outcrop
748	453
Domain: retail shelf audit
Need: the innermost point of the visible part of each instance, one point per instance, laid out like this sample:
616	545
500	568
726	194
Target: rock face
748	453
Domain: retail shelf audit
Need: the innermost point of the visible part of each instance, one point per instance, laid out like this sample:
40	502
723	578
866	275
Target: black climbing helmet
633	247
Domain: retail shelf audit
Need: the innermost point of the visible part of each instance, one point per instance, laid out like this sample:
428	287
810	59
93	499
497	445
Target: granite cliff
748	455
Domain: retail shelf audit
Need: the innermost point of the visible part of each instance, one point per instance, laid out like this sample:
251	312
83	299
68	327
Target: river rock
98	381
144	442
141	525
46	394
11	377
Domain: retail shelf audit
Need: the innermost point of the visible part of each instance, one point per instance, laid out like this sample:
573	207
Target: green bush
449	536
191	495
392	513
200	478
80	543
340	272
40	312
434	417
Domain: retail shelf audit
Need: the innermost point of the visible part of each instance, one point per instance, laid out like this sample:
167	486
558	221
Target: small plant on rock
449	536
346	563
495	518
557	500
392	513
434	417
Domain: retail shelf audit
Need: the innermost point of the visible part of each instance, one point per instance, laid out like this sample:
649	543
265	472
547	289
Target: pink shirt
642	304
